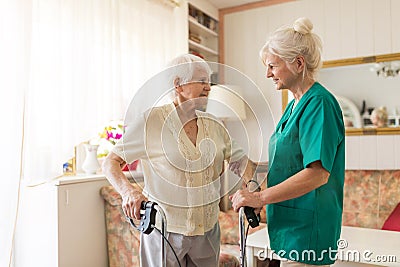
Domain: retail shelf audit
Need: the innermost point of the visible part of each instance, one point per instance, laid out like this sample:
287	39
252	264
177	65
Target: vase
91	164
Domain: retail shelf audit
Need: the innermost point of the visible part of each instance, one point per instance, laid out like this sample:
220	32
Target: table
360	247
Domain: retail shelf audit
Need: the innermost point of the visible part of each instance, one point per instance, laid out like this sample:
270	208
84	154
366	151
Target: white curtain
66	69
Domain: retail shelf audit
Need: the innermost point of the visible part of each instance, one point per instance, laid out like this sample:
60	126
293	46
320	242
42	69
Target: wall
243	39
348	28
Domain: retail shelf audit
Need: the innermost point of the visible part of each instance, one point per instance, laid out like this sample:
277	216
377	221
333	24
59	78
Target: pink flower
110	135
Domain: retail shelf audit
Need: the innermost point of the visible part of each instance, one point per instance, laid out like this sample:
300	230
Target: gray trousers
200	250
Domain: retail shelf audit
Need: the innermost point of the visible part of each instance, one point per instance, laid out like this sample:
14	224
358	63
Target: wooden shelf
202	48
199	29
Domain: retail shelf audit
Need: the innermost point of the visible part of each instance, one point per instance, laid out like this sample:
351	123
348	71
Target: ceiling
229	3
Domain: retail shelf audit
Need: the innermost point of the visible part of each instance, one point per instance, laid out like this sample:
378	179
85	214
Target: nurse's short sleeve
320	132
131	146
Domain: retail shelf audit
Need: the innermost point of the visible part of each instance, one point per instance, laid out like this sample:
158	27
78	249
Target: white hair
290	42
184	66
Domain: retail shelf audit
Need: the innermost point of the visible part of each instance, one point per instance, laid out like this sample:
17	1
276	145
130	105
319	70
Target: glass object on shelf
203	18
394	121
351	114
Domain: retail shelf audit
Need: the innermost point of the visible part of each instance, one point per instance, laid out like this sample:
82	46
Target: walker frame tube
163	232
242	230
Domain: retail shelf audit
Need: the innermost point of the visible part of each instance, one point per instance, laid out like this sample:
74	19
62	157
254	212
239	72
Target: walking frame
149	210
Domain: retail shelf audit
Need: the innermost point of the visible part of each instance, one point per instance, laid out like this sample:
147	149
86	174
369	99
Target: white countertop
373	247
83	178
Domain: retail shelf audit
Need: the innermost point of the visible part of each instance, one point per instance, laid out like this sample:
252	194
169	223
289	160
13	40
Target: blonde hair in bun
291	41
303	25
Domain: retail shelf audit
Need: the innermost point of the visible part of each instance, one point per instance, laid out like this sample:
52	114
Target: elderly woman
306	154
182	151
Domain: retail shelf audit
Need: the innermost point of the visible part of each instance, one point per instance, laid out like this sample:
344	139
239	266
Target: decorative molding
253	5
360	60
373	131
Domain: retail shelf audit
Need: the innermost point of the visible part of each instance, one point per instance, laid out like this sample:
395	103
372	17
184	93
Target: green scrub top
306	229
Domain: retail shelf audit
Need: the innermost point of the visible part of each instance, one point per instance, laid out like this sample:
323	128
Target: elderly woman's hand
131	203
245	198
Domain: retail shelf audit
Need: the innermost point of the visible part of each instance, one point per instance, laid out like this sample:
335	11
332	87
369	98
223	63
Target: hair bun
303	25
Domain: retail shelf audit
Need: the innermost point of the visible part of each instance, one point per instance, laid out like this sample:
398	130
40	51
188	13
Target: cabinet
203	33
62	223
373	152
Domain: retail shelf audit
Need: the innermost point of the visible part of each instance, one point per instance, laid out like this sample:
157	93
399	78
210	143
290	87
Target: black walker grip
251	217
147	219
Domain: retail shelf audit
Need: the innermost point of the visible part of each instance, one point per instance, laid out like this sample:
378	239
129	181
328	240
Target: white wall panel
251	60
243	41
316	13
395	21
268	20
274	19
364	28
245	34
368	152
233	39
348	46
382	27
352	152
385	156
333	40
292	11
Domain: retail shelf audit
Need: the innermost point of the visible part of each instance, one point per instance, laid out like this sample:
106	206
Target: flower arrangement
110	135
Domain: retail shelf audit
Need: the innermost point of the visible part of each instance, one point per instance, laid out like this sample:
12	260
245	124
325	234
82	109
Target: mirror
362	84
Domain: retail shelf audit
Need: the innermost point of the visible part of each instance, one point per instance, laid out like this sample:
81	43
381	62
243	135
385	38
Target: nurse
304	194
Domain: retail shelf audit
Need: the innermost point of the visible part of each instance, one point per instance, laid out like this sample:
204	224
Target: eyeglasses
203	82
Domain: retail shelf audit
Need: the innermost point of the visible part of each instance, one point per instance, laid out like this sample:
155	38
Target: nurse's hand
245	198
